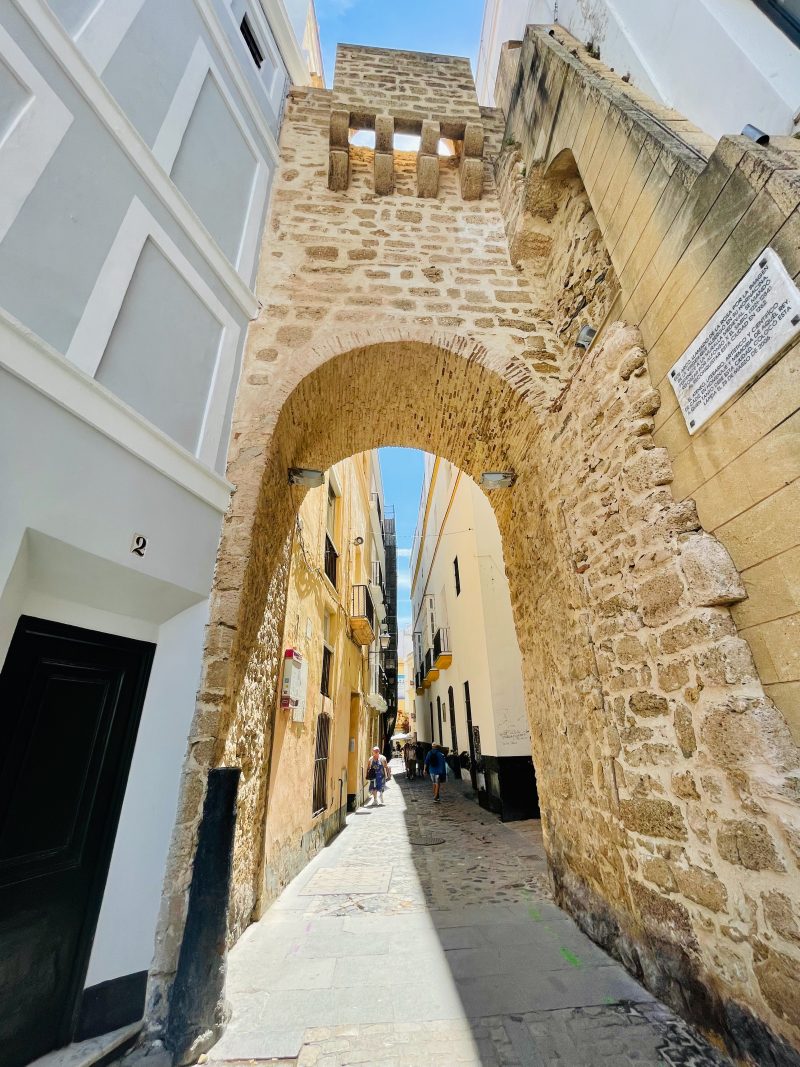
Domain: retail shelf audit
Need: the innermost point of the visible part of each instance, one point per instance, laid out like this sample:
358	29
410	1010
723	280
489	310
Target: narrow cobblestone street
425	934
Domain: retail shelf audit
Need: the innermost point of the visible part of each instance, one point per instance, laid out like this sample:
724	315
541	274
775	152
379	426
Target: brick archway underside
663	769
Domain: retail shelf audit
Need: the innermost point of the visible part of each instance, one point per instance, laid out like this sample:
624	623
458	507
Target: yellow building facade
333	689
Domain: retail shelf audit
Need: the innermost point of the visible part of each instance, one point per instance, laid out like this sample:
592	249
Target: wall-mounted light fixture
586	335
498	479
755	134
358	541
385	640
304	476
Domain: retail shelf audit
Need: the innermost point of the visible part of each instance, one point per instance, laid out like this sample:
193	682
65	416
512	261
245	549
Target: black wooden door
70	702
451	703
473	763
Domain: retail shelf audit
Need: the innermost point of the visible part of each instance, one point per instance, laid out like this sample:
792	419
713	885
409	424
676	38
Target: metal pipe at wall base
198	1013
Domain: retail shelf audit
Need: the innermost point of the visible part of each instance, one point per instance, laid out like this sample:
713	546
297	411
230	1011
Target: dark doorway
473	769
451	703
439	717
70	703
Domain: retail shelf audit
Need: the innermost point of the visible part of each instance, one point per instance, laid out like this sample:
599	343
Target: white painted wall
483	639
137	145
135	879
722	63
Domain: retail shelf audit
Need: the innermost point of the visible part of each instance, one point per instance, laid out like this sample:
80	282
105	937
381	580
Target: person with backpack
377	773
436	769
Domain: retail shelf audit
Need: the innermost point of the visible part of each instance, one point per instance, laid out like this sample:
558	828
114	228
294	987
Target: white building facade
138	140
680	53
469	695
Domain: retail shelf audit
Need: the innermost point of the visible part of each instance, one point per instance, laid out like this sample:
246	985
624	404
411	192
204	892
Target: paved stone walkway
425	935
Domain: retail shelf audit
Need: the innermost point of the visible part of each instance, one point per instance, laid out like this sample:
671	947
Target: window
251	42
330	516
327	655
785	14
319	800
431	620
327	664
457	576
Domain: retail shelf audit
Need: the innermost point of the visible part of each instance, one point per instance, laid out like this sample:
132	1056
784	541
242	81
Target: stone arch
562	165
663	769
669	782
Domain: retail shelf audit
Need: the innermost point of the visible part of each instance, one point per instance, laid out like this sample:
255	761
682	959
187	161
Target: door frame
68	1023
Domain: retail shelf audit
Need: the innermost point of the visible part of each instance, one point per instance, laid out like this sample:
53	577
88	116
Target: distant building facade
469	693
331	714
679	54
138	143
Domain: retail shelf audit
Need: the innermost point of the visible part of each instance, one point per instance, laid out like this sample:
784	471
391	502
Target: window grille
320	798
457	576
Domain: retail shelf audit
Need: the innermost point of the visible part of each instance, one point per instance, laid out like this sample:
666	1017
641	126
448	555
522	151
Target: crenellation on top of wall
412	87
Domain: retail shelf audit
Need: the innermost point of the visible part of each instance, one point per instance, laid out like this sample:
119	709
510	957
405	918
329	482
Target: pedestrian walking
410	759
436	769
378	771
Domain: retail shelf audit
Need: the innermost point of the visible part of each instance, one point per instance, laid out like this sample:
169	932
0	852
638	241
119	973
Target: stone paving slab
450	954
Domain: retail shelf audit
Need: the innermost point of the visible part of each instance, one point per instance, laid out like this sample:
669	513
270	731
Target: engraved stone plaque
759	319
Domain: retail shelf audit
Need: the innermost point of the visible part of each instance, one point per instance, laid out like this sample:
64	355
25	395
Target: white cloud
404	553
403	581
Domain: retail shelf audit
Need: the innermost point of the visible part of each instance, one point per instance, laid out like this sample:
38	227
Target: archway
666	776
631	664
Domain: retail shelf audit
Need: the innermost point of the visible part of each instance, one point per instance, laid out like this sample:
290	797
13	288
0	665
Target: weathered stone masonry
669	782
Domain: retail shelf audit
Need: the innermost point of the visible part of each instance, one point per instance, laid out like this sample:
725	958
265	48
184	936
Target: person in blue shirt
436	769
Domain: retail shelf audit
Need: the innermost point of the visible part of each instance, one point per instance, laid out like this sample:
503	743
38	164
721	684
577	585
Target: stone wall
683	218
668	782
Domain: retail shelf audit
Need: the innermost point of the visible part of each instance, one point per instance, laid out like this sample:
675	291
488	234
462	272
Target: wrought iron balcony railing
362	616
442	653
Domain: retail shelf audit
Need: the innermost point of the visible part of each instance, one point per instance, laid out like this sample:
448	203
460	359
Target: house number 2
139	545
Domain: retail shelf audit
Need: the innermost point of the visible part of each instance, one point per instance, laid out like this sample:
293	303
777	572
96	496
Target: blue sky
401	470
449	26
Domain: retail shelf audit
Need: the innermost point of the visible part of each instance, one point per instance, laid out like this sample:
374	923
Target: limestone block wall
683	218
668	782
410	86
292	832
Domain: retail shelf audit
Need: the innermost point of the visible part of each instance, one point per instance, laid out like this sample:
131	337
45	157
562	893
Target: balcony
378	695
430	672
331	561
442	653
362	617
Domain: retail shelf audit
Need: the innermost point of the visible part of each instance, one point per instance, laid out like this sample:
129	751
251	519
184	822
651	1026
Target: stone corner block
429	138
427	175
339	169
340	129
384	173
473	140
384	133
711	575
471	178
